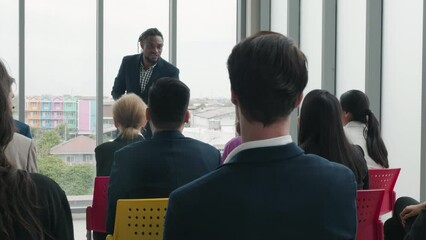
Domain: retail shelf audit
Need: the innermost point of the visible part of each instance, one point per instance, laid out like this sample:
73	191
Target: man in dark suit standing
154	168
138	72
268	187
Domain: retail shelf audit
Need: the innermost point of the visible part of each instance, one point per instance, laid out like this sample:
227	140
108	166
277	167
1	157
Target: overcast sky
61	42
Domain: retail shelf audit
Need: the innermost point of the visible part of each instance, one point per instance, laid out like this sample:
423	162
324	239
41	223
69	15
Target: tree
74	180
45	141
52	166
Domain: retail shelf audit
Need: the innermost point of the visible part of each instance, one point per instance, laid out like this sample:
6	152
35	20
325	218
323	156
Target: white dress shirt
271	142
354	132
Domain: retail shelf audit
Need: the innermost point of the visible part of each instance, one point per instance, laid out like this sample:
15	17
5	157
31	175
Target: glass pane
9	43
350	55
60	94
204	42
279	16
401	87
310	40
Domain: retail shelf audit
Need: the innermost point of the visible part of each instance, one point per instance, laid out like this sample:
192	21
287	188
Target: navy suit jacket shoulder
267	193
104	154
23	128
154	168
128	77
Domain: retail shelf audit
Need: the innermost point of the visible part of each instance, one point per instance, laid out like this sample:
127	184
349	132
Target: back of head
149	33
267	73
128	113
320	127
357	104
6	120
168	103
17	193
321	131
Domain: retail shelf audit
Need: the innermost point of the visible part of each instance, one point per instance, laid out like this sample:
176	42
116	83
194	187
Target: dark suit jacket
267	193
23	128
128	78
104	154
154	168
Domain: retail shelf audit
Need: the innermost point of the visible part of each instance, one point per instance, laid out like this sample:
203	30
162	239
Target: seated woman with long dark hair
321	133
32	206
362	128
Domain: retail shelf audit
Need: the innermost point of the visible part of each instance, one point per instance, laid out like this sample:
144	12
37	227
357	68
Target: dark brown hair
17	191
267	73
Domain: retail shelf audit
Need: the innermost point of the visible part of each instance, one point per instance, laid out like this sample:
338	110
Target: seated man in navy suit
268	188
154	168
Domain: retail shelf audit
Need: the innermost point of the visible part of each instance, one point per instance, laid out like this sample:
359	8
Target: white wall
350	53
401	87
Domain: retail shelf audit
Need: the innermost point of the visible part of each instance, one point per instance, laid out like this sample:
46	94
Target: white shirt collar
271	142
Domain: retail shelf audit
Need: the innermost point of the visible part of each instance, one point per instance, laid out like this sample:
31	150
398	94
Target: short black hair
168	101
148	33
268	73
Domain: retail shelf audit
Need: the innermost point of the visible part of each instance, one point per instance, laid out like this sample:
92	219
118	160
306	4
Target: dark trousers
393	228
99	235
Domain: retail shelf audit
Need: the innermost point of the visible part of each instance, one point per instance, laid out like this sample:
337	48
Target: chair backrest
385	179
368	212
140	219
99	205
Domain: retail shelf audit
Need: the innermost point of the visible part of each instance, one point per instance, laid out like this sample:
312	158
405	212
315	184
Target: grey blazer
21	152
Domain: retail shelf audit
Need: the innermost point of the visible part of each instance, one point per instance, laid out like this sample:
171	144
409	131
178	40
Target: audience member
32	206
363	129
129	117
154	168
235	141
269	189
128	114
23	128
138	72
321	133
21	150
408	220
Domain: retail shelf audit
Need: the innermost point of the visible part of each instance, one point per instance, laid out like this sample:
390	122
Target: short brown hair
268	73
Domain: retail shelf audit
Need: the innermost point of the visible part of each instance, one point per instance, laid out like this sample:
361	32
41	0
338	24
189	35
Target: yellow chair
139	219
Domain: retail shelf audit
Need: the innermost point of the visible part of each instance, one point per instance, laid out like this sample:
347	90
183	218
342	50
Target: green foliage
45	141
74	180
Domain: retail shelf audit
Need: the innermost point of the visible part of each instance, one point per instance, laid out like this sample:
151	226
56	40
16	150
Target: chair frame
96	214
139	219
369	203
385	179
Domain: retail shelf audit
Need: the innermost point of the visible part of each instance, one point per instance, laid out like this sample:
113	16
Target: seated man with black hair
154	168
268	188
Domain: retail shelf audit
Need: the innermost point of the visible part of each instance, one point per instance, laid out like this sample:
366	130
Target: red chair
368	203
385	179
96	214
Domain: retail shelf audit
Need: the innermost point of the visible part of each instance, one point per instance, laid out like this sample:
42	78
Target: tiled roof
78	145
216	112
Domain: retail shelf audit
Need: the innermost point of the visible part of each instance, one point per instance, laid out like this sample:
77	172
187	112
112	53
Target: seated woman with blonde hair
129	117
